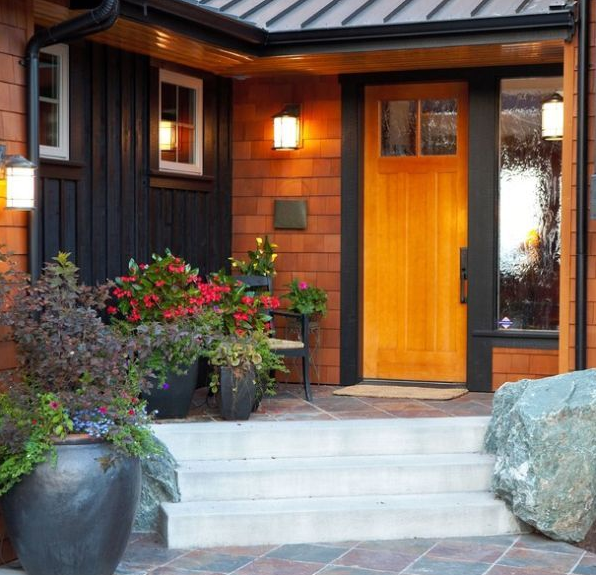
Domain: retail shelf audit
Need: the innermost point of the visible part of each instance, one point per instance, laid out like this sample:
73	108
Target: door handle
463	275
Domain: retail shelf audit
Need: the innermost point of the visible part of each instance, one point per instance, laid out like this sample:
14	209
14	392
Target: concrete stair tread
436	501
338	462
264	439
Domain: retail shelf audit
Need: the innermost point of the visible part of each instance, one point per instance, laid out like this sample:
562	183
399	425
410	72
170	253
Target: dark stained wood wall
109	202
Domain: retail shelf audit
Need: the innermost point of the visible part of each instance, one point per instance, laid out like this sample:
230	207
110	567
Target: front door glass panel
399	125
529	209
438	127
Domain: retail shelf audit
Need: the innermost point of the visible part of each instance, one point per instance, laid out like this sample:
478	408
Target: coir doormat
402	392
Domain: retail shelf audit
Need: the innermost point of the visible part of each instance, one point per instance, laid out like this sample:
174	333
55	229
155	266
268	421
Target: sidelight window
529	209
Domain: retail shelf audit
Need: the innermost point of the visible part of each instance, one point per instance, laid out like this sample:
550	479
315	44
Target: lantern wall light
17	181
553	118
287	131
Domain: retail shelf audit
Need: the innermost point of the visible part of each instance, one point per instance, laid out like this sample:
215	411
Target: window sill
518	334
61	169
181	181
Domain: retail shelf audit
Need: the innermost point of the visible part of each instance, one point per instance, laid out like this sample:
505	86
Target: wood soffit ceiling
163	44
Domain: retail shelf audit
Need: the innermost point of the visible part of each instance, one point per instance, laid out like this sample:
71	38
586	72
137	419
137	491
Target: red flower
103	409
111	310
131	411
160	283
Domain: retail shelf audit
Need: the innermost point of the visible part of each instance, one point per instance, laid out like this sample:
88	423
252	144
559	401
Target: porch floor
289	405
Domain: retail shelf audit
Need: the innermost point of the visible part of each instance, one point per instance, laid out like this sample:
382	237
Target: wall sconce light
167	136
552	118
17	181
286	128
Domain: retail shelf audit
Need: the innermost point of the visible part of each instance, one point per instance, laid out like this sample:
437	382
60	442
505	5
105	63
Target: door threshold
410	383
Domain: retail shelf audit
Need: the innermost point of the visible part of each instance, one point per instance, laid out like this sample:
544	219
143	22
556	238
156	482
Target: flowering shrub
73	373
241	309
260	261
306	299
169	298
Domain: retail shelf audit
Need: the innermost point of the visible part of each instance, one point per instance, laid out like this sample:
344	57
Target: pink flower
54	404
303	285
160	283
103	410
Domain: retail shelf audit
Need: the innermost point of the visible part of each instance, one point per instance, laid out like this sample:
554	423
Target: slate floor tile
273	566
434	566
411	547
533	541
544	560
466	550
211	561
504	570
587	566
381	560
343	570
312	553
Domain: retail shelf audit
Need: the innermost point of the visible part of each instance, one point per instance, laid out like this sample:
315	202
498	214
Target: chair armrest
285	313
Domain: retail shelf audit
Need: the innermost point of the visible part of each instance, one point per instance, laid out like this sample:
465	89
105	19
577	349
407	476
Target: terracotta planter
237	393
75	517
174	401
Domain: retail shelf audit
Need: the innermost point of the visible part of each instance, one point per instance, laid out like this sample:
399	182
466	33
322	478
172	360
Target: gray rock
543	434
159	484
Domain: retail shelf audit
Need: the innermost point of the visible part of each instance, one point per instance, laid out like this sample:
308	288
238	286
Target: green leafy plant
74	373
243	353
306	299
261	261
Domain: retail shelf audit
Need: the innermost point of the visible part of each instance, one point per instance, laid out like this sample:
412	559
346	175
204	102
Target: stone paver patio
504	555
289	404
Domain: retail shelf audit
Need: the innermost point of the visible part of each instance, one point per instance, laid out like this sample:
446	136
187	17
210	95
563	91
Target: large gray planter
75	517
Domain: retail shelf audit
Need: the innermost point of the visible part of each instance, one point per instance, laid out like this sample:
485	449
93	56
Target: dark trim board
482	223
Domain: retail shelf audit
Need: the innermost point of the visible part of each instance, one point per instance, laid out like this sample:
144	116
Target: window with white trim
180	123
53	102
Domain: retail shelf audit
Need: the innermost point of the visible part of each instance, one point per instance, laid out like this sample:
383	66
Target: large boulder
543	433
159	484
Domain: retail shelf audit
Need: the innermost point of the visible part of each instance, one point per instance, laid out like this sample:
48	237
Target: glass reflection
438	127
529	209
399	119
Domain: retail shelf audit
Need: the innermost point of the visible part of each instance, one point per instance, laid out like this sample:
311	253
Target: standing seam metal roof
295	15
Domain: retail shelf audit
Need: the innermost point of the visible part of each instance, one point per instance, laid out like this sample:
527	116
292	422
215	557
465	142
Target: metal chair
285	347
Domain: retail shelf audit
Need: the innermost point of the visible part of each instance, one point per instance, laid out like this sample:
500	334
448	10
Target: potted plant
261	261
168	296
72	428
307	299
240	351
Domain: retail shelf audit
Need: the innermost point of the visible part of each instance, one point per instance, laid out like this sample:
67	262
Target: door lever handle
463	275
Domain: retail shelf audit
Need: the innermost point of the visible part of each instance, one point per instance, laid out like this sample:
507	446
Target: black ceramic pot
236	393
173	401
75	517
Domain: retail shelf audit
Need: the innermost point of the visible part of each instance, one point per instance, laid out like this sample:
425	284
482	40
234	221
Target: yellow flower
273	257
259	241
273	245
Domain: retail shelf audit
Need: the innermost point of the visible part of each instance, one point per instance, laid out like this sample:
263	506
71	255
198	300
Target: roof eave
562	21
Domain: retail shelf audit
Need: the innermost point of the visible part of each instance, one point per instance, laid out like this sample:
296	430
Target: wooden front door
415	227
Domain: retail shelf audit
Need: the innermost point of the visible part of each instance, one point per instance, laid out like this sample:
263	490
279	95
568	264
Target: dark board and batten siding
107	204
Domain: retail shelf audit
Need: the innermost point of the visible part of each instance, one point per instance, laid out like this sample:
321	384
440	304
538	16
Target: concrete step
252	440
334	476
333	519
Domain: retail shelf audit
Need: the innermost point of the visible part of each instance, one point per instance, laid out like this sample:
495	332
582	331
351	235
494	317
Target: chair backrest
264	283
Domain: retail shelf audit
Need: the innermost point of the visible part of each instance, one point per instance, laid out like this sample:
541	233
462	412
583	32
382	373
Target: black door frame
483	119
